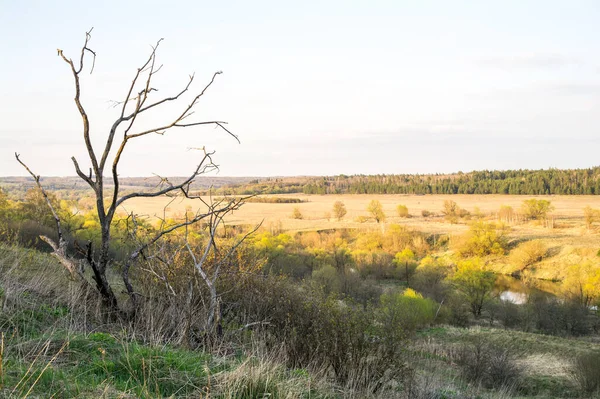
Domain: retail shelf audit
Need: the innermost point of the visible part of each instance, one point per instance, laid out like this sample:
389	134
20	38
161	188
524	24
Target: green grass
49	351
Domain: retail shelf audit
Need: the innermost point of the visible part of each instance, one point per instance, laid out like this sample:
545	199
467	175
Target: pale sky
312	87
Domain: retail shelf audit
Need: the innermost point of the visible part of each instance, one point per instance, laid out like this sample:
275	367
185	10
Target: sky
310	87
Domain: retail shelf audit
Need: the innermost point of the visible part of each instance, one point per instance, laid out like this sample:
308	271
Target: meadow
568	212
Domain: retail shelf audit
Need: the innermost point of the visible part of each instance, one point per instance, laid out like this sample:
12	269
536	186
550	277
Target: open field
569	241
568	211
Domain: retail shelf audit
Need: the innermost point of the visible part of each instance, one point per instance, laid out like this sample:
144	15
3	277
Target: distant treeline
525	182
528	182
270	200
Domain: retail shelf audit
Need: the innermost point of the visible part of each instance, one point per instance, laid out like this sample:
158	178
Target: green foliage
430	279
536	209
402	211
339	210
483	239
404	313
327	279
405	264
376	210
474	283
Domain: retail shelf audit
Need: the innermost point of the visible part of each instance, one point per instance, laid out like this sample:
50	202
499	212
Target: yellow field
569	241
568	211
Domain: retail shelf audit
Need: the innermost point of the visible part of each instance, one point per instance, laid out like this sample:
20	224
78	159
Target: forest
514	182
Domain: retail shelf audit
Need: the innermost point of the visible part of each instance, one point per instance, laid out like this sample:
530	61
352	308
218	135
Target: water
514	290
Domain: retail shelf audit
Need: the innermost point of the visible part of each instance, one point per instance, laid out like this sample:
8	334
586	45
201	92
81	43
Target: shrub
297	214
425	213
376	210
528	253
339	210
483	239
318	331
402	211
487	364
474	283
510	314
452	212
536	209
429	279
506	214
407	311
591	216
361	219
586	371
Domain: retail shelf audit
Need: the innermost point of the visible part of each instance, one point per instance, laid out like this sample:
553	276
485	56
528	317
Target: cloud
534	61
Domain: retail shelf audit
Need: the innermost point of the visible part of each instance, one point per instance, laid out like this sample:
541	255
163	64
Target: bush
536	209
402	211
510	314
339	210
296	214
318	331
407	311
376	210
483	239
586	372
528	253
429	279
487	364
425	213
506	214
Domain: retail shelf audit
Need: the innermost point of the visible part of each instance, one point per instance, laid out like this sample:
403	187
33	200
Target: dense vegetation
383	312
519	182
524	182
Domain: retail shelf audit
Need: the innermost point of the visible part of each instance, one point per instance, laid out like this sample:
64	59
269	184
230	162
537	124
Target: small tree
536	209
376	211
528	253
582	284
339	210
402	211
591	216
474	283
450	211
506	214
297	214
483	239
406	261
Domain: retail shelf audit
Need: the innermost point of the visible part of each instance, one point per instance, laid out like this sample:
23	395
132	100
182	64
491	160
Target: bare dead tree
59	248
137	101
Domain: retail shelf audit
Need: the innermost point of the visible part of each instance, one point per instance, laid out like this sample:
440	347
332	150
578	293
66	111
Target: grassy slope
48	353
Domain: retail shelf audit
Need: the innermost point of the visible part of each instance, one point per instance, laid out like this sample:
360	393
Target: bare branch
60	249
84	117
199	170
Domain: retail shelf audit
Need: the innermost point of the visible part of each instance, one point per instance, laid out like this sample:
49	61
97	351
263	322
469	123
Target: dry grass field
568	211
569	241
